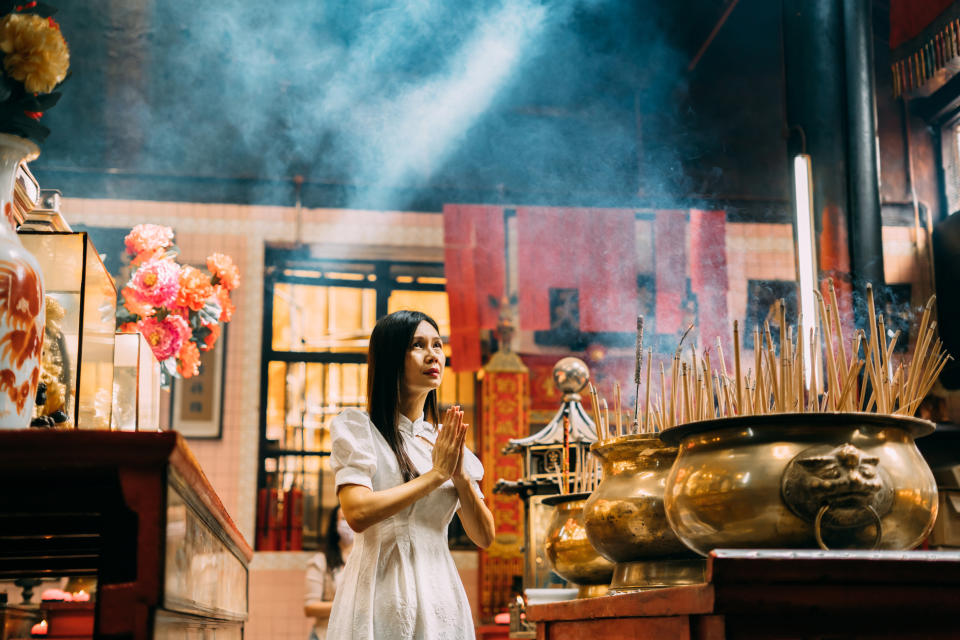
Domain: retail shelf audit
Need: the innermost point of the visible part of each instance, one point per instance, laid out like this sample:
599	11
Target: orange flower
195	289
128	327
226	305
134	304
225	272
211	337
188	359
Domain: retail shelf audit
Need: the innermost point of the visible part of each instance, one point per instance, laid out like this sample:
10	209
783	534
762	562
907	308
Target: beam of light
412	136
806	255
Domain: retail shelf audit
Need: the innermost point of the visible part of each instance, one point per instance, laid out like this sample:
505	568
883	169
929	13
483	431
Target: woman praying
400	476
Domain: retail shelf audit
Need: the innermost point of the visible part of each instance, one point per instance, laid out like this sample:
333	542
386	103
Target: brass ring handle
823	510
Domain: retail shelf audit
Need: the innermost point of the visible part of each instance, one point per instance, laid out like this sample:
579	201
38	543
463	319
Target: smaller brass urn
625	518
573	557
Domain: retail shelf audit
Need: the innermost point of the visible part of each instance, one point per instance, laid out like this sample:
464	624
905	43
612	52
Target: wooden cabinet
786	595
134	510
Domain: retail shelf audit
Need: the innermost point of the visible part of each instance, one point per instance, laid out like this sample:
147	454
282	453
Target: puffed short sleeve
353	453
474	469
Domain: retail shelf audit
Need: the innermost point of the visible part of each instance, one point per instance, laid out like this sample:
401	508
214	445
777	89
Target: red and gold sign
504	416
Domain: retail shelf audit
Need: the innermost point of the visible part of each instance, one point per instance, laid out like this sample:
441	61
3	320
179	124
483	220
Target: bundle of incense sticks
847	374
585	476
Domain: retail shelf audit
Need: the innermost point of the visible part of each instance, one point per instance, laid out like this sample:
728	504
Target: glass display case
81	325
136	385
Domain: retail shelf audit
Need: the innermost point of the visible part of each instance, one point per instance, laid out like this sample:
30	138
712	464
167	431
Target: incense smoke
372	100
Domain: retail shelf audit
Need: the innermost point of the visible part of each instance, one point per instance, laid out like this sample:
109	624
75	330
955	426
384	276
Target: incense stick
565	462
598	425
638	363
736	365
646	403
606	417
619	409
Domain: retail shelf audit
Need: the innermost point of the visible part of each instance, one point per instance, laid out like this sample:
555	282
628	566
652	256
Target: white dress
400	582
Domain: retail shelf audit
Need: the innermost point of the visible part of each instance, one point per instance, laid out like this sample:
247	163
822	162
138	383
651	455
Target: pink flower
165	336
157	282
148	237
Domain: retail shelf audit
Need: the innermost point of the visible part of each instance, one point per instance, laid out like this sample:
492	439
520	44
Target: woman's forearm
363	507
475	516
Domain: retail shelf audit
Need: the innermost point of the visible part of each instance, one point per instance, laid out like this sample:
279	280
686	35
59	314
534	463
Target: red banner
503	416
670	251
547	240
474	269
591	250
708	275
608	281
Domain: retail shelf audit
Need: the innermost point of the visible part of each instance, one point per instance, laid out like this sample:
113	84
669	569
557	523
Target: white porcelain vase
22	308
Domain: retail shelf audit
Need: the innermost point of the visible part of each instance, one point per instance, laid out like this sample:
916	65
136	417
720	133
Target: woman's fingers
450	422
449	443
448	417
454	422
452	416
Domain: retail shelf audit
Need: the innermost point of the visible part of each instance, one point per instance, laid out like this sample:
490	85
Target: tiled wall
276	579
276	603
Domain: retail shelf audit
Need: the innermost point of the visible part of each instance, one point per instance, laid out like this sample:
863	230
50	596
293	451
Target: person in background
325	573
400	477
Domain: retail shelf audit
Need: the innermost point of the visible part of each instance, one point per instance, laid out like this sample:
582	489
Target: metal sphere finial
571	374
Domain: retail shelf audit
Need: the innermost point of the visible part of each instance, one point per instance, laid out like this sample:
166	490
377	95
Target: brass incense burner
573	557
625	518
828	480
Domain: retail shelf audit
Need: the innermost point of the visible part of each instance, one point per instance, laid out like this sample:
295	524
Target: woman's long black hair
389	342
332	548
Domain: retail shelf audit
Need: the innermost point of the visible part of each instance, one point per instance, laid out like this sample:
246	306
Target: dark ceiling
411	104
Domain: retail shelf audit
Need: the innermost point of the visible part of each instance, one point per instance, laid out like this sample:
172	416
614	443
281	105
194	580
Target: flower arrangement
34	61
178	308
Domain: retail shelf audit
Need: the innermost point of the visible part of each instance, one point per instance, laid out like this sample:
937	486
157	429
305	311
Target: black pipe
863	183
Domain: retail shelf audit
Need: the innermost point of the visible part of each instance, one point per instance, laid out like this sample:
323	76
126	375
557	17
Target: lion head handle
845	479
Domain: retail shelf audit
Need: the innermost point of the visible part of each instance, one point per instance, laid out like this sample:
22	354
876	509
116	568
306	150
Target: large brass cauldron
626	522
833	480
573	557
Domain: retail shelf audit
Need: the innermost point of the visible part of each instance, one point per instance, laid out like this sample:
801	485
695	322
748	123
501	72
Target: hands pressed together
448	448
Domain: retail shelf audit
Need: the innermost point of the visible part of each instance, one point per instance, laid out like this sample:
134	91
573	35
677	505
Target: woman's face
423	367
